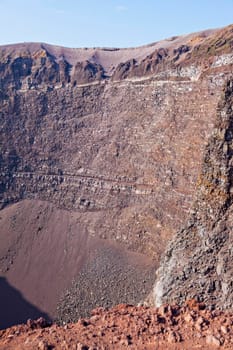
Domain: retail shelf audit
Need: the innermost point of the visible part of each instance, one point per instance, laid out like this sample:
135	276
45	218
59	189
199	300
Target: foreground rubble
192	326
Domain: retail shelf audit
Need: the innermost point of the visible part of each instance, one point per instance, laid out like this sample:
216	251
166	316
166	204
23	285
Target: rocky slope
128	327
198	261
47	260
111	141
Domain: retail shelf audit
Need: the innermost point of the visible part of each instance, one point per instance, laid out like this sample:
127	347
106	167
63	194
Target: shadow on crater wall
14	309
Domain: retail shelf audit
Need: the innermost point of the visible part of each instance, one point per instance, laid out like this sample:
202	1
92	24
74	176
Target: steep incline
43	255
198	262
125	153
115	136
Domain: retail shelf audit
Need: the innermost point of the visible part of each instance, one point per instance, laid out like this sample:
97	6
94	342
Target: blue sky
114	23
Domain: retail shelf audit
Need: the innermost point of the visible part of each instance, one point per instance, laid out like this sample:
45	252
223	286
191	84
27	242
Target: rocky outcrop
111	137
152	64
89	130
25	71
198	261
87	72
125	326
133	164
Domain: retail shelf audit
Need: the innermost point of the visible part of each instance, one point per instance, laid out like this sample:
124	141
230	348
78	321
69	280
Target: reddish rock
126	326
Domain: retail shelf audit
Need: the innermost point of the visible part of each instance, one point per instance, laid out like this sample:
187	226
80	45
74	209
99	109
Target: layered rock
113	136
198	261
117	130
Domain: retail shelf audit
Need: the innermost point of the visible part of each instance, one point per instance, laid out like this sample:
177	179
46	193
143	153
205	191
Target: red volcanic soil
129	327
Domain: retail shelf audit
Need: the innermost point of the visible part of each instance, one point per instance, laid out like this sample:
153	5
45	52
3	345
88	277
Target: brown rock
210	220
199	323
82	347
173	337
224	329
42	345
212	340
118	160
188	318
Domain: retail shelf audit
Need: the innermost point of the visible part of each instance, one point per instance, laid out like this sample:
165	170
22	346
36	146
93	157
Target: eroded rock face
115	136
124	152
198	262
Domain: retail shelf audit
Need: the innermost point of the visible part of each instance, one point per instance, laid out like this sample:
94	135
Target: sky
108	23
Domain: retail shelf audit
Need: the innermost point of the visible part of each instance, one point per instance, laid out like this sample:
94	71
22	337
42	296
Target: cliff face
77	131
198	261
115	136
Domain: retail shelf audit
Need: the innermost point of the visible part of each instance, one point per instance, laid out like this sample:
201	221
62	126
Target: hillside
99	159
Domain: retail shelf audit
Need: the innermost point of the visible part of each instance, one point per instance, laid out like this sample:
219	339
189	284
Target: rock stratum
100	154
